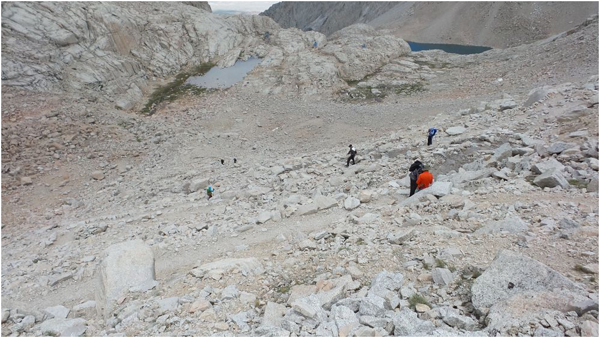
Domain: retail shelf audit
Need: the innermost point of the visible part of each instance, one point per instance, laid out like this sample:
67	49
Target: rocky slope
493	24
295	243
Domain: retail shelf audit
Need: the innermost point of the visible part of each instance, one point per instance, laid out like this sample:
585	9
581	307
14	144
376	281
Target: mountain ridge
497	25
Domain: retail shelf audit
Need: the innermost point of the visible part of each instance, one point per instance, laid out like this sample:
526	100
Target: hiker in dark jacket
415	170
430	134
352	153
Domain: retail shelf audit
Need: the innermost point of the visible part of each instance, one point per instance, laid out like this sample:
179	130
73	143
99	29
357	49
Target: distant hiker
209	191
234	160
430	133
425	179
352	153
315	45
222	161
364	45
415	170
266	36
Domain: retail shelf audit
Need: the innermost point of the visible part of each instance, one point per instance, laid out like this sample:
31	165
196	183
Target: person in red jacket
425	179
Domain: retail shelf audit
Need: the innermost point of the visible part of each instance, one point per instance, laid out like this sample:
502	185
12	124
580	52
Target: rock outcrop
115	49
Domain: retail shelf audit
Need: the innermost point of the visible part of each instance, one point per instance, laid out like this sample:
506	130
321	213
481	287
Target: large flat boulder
325	202
197	184
550	179
64	327
511	224
123	266
510	274
455	130
307	209
549	164
471	175
438	189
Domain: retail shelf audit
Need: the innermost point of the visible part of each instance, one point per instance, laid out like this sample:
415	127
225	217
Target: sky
254	7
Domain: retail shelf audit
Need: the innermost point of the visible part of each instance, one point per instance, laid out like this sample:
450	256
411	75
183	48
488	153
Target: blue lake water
224	77
448	48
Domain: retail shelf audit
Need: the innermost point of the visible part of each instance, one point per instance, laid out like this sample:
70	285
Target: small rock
199	305
351	203
97	175
422	308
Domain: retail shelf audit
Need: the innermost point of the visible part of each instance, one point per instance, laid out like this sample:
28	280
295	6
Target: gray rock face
230	292
442	276
340	45
406	323
344	318
567	224
273	314
551	179
503	152
511	224
559	147
548	165
372	305
385	282
309	307
58	311
123	266
64	327
453	318
510	274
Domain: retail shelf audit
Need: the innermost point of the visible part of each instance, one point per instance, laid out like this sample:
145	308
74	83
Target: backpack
432	131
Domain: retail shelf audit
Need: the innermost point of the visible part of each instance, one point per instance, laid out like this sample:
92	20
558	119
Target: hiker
352	153
315	45
234	160
425	179
209	191
430	133
415	170
266	36
364	45
222	161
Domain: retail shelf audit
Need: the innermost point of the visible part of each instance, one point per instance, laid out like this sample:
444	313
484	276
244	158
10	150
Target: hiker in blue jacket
430	133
